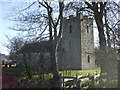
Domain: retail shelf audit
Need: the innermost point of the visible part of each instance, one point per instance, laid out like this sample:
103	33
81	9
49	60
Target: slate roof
43	46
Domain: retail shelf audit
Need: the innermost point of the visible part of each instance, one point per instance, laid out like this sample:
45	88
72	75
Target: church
77	45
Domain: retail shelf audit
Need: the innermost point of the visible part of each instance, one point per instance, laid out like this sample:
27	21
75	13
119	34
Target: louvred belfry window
88	57
87	29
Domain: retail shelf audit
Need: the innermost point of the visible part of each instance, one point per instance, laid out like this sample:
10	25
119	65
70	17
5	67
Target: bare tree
54	40
105	15
44	25
14	44
111	23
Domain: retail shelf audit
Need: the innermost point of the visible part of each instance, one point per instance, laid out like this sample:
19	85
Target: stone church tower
77	43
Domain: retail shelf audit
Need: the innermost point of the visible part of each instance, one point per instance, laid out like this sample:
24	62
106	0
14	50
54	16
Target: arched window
70	29
88	58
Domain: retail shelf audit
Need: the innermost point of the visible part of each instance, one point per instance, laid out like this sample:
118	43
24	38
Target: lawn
20	72
80	72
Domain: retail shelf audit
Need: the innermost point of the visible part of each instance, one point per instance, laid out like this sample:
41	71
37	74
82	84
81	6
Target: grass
79	72
20	72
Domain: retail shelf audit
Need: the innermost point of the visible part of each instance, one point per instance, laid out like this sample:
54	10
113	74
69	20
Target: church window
70	29
88	58
87	29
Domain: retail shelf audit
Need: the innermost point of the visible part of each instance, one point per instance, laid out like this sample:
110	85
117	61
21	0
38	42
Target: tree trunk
102	42
100	25
53	43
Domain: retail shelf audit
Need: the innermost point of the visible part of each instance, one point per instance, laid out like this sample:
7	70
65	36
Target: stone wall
39	61
71	44
87	43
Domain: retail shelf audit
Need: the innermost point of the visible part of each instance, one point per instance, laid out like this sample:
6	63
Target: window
87	29
70	29
88	58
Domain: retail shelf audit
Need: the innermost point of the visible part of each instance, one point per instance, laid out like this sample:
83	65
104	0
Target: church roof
43	46
37	47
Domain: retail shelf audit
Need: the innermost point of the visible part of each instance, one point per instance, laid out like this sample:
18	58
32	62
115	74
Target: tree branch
42	4
61	6
89	5
27	7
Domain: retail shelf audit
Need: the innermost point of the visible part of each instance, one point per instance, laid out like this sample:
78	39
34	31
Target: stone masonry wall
71	44
87	43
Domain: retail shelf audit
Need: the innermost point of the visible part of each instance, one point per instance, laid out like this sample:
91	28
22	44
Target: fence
78	81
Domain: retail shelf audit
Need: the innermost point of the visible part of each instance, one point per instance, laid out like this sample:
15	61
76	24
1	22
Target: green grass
20	72
79	72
